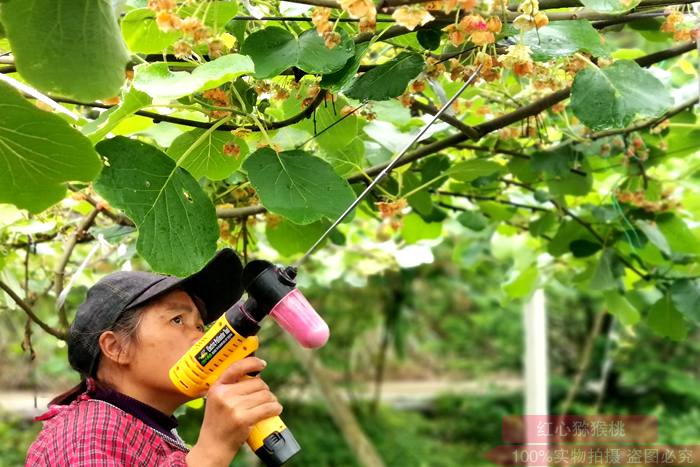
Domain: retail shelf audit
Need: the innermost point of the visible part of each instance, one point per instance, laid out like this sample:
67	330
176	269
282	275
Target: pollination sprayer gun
271	290
233	336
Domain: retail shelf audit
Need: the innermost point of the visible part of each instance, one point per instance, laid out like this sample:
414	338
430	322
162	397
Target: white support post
535	366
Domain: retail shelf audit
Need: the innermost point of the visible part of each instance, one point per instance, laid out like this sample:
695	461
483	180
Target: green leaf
564	38
134	100
685	294
584	248
142	34
38	152
315	57
272	49
610	6
289	238
654	235
473	220
571	183
388	79
666	321
556	162
214	14
621	308
680	238
521	283
414	228
568	232
604	277
156	80
614	96
297	185
175	218
340	79
429	39
72	48
467	171
543	224
208	158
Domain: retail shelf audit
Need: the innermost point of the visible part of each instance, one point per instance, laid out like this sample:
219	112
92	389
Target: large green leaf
156	80
388	79
621	308
570	183
680	238
414	228
175	218
214	14
38	152
142	34
652	232
685	294
315	57
272	49
297	185
564	38
208	159
289	238
614	96
665	320
67	47
610	6
520	284
340	79
133	101
467	171
604	275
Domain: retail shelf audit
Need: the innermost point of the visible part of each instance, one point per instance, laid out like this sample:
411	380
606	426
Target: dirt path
398	394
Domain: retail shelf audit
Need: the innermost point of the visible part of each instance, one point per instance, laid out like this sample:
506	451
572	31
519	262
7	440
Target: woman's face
169	327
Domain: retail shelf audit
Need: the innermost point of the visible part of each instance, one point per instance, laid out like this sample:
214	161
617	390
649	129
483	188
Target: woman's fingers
263	411
240	368
255	399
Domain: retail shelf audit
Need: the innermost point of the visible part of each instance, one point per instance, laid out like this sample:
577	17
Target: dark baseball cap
217	285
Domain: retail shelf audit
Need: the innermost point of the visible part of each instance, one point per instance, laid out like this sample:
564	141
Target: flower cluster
364	10
320	17
475	29
410	16
193	30
682	29
218	98
518	59
448	6
391	213
531	17
639	199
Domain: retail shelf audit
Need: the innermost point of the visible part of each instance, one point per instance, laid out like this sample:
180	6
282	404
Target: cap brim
218	284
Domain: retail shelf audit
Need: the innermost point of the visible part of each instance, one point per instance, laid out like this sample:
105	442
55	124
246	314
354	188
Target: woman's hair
126	326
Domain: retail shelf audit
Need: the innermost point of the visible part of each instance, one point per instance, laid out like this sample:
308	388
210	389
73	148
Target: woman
132	327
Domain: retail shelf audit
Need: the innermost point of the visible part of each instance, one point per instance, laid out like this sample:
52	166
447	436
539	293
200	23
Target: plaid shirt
91	432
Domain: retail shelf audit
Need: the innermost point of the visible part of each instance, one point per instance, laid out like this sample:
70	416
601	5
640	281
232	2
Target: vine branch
60	270
28	310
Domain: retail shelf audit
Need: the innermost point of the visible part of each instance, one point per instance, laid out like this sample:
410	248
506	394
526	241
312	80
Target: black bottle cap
278	448
243	321
267	283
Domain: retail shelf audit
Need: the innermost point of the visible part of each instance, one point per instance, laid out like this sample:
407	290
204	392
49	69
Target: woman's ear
114	348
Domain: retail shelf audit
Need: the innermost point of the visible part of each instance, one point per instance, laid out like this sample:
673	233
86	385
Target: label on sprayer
211	348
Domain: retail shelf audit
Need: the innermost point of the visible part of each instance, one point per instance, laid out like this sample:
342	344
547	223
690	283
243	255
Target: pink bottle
274	290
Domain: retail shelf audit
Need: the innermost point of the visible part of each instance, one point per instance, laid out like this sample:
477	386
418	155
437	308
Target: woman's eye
177	320
201	327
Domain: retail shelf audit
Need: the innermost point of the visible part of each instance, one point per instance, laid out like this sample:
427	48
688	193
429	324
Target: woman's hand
234	404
